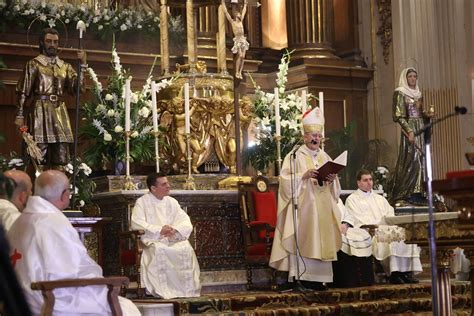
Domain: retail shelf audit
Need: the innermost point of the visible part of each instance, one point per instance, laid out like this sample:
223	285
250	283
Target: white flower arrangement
101	21
291	107
106	117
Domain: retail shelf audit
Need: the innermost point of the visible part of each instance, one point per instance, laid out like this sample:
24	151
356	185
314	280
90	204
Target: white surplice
8	214
369	208
169	267
50	249
357	241
319	234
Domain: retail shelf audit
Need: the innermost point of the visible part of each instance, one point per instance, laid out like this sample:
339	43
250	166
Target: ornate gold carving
385	27
444	229
212	122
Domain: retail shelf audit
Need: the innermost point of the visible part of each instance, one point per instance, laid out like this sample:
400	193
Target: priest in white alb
398	259
46	247
169	265
318	222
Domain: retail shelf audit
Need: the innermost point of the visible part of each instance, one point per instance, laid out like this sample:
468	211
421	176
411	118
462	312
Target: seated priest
369	208
354	265
169	265
11	208
45	247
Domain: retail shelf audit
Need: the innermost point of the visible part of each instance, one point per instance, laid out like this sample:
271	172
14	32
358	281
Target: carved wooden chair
130	252
114	285
258	208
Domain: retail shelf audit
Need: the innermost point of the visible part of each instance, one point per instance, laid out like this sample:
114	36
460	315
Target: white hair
51	188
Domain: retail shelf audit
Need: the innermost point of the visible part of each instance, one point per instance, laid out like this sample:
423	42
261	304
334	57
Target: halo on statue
55	19
407	63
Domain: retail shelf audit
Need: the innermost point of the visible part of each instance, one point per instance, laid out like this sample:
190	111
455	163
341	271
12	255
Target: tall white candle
321	108
321	102
127	105
304	101
187	122
277	113
153	106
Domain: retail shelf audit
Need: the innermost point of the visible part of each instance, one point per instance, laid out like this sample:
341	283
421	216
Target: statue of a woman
408	111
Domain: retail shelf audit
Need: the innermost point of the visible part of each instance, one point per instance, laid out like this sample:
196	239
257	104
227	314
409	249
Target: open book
330	167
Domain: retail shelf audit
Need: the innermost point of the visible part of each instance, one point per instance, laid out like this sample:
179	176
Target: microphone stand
294	201
426	130
81	27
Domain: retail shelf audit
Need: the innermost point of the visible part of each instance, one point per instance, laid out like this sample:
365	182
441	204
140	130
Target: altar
215	215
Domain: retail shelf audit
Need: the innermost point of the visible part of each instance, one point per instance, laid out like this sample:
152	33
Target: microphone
460	110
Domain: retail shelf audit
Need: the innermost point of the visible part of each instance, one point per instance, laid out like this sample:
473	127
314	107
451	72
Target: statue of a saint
46	80
241	45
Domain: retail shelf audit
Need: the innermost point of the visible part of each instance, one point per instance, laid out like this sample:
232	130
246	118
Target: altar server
169	265
369	208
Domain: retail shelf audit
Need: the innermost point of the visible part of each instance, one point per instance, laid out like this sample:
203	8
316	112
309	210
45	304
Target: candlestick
153	106
189	184
187	122
128	184
127	105
277	113
304	101
278	143
157	151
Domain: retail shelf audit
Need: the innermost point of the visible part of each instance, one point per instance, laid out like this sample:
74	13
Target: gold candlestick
278	142
189	184
157	151
128	183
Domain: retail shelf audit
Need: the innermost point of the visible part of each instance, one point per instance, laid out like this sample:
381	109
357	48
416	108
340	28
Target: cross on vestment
15	257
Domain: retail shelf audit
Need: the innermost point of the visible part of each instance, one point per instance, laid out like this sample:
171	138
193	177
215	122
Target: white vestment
169	265
8	214
319	234
357	241
50	249
369	208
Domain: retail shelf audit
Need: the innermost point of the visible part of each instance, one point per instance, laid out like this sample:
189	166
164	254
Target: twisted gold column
190	30
221	49
164	47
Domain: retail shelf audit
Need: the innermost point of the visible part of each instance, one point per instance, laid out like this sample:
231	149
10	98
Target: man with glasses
45	247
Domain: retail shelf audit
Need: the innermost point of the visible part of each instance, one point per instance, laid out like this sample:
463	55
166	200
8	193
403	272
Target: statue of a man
45	82
240	41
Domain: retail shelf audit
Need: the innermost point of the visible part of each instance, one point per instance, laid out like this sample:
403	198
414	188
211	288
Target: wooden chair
114	285
130	252
258	208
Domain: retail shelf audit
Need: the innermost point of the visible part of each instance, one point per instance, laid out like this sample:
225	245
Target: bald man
45	247
10	209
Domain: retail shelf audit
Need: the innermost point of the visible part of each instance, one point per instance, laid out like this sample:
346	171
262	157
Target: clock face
261	186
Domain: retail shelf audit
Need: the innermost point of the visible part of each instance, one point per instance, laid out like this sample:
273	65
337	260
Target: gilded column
221	48
191	35
164	41
310	28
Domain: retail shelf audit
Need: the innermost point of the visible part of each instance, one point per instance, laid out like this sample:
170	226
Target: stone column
310	28
221	48
190	33
164	41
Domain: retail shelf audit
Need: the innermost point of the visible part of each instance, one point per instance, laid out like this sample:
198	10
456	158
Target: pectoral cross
15	257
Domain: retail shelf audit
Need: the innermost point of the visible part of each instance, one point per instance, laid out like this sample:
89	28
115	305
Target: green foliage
264	152
101	23
85	186
361	155
105	119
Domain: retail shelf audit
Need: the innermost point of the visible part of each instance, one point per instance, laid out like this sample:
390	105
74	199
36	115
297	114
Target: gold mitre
313	121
